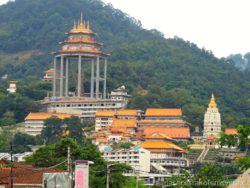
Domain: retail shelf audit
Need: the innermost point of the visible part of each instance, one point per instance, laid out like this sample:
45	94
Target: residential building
12	86
34	122
137	157
166	157
212	122
130	125
18	157
25	176
104	119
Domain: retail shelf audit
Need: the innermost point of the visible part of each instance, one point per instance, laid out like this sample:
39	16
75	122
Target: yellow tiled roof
127	112
105	113
50	70
172	132
101	139
158	136
168	121
46	115
130	123
163	112
160	145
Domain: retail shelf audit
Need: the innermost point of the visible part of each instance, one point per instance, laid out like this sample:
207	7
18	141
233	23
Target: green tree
244	136
52	130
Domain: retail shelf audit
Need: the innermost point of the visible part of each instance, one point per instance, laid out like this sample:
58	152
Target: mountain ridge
173	72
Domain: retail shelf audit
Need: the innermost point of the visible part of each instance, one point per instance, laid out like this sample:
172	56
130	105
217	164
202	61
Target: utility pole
108	173
68	162
11	168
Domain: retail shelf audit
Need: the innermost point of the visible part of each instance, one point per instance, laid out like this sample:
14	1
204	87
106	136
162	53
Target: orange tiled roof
231	131
163	112
168	121
158	136
105	113
128	123
127	112
103	140
50	70
172	132
119	130
46	115
160	145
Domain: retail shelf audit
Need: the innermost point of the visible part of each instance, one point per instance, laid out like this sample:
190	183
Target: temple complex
77	52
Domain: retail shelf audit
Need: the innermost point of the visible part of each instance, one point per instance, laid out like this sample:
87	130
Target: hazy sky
218	25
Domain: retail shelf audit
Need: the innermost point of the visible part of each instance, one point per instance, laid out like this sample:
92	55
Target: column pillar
92	78
79	76
61	77
67	77
105	78
97	78
54	79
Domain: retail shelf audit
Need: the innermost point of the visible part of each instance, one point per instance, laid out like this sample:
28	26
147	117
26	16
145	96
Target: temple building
212	121
77	52
49	75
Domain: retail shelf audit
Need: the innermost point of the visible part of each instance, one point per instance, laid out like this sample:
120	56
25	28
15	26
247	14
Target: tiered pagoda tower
212	121
81	47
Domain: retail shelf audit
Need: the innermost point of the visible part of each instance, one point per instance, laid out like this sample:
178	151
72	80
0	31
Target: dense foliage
208	176
56	153
158	72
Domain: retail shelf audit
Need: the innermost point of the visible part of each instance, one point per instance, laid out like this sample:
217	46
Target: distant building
18	157
12	86
137	157
130	125
104	119
163	114
34	122
78	50
212	122
49	75
128	114
231	131
176	133
165	156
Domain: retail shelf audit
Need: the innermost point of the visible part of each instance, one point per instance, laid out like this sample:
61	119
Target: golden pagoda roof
212	103
81	27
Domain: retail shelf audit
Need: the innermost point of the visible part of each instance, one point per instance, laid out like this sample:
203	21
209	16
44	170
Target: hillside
241	61
158	72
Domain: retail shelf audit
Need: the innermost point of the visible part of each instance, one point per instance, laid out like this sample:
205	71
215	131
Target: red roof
25	175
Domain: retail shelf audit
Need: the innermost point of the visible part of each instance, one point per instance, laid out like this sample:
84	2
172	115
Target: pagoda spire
212	103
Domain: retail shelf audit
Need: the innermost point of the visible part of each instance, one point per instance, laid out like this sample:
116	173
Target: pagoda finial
212	103
75	26
81	17
88	28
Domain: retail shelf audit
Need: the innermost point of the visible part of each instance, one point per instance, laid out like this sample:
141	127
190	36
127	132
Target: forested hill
158	72
241	61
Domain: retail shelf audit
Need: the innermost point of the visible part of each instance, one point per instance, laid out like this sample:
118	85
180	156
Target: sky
221	26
